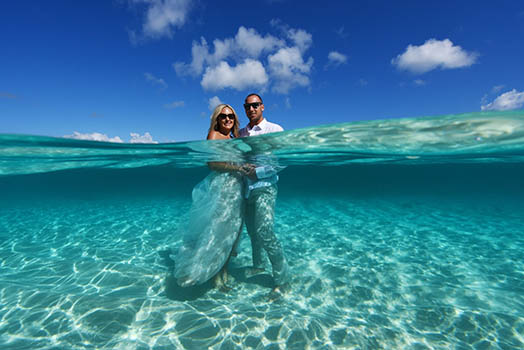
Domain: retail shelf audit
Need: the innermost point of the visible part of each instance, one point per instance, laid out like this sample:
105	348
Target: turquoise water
401	234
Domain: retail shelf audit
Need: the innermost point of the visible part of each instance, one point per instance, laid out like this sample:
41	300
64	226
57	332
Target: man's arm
225	167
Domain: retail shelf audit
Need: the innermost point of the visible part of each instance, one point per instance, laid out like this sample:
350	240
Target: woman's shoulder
215	135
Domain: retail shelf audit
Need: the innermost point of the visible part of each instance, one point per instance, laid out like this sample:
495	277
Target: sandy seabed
388	273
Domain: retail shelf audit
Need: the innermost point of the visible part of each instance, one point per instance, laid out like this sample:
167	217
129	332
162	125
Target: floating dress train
215	222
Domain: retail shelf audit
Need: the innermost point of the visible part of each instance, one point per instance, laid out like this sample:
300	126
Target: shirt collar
259	126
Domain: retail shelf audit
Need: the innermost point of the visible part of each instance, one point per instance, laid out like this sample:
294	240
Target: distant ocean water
400	234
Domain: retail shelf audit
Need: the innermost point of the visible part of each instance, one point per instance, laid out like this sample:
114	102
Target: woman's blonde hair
214	119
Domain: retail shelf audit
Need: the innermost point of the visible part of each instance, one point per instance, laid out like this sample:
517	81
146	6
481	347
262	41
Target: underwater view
399	234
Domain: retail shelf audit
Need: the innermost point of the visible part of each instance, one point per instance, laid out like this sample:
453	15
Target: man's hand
249	171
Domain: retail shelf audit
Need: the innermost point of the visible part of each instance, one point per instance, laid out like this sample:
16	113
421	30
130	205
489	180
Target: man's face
254	114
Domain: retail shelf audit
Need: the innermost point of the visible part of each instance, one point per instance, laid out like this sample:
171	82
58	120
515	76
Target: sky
152	70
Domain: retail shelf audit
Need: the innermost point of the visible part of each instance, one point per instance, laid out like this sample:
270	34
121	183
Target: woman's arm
223	167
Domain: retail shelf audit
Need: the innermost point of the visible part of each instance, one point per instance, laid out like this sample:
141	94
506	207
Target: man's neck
253	123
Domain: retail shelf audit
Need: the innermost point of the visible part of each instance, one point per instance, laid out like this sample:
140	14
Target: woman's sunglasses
224	116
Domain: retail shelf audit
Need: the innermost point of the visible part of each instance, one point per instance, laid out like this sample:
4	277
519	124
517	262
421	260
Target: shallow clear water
396	240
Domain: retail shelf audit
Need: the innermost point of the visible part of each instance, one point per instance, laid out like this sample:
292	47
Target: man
261	195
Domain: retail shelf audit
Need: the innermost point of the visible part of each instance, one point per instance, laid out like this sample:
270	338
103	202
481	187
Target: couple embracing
229	196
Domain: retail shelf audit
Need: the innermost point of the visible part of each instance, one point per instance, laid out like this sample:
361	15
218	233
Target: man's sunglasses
224	116
255	105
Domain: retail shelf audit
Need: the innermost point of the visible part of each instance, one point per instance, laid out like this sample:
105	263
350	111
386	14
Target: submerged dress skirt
215	222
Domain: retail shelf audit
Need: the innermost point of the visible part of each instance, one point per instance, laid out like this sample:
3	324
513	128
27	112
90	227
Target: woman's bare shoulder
215	135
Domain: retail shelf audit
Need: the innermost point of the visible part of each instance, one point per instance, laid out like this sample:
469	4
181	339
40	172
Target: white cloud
161	17
239	62
95	136
363	82
277	23
341	32
508	100
213	102
250	73
155	81
174	104
289	70
496	89
137	138
200	54
434	54
247	43
419	82
300	38
253	44
288	102
336	59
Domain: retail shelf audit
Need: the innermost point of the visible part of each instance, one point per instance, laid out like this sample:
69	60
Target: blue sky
148	70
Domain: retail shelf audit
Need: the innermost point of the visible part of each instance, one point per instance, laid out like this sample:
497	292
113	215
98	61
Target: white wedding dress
215	222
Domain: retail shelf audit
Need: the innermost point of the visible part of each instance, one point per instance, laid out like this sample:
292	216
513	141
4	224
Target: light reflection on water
475	137
378	271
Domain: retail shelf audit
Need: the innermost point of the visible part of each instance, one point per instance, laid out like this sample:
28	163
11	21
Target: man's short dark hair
253	94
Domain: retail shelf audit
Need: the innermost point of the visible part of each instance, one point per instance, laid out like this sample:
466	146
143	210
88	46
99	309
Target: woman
215	220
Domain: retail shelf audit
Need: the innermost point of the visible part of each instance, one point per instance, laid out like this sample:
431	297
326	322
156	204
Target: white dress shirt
264	127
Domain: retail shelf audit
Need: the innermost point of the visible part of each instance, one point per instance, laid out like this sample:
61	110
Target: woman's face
226	119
